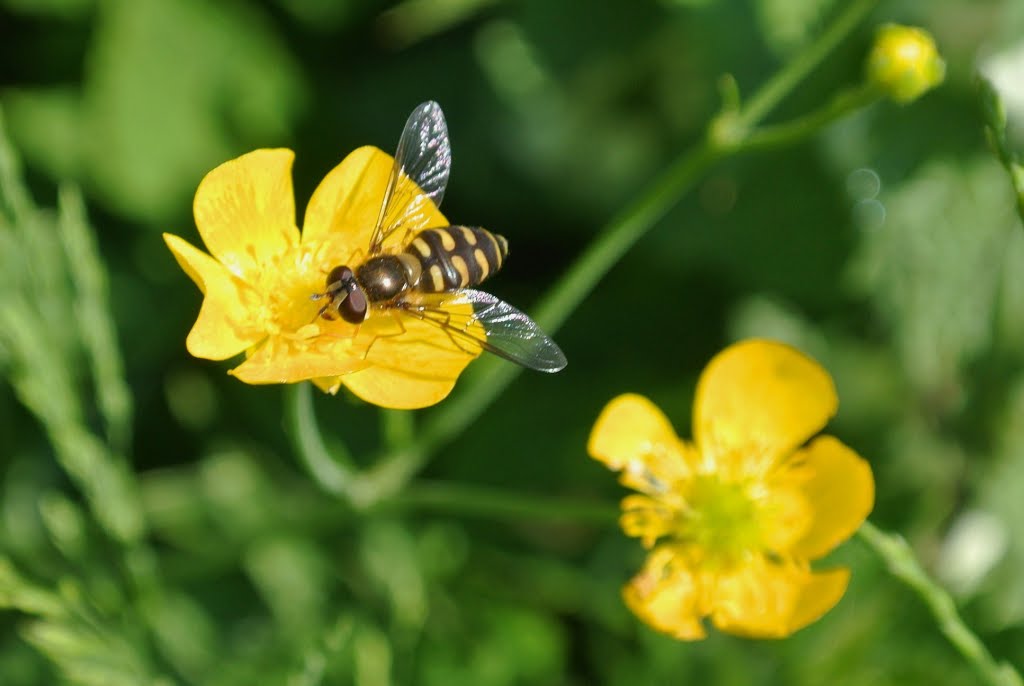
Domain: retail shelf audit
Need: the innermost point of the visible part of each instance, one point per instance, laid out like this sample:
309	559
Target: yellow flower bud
904	62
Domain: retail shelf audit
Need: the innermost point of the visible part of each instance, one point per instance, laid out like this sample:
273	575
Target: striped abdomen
456	257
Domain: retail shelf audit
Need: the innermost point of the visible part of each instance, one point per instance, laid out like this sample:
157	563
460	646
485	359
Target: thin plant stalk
902	564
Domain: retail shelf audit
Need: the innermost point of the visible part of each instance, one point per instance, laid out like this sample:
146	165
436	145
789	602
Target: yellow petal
245	211
820	594
347	204
414	368
328	384
756	401
764	599
223	328
665	596
841	493
278	361
398	389
647	519
633	435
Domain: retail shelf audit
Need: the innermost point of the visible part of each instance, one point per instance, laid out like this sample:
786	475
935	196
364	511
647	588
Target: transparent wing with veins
502	329
419	175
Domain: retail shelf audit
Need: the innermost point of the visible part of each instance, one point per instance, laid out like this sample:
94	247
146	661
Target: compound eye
339	274
353	309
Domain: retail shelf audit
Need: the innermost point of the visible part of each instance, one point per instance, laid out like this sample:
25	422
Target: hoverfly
435	272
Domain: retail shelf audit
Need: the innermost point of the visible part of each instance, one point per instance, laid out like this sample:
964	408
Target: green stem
783	83
334	471
900	560
779	135
492	376
394	470
397	429
994	113
498	504
597	259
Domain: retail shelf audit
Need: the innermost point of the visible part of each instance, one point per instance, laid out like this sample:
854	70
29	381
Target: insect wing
503	330
419	175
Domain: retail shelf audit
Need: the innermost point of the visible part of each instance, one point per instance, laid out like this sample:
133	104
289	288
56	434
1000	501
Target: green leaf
994	113
19	594
89	656
94	318
171	89
291	575
389	554
37	307
184	633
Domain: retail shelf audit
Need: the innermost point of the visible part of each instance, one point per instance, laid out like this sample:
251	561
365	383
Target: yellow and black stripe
456	257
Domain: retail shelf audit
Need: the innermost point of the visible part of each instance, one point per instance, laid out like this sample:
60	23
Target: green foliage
167	89
55	292
996	131
161	523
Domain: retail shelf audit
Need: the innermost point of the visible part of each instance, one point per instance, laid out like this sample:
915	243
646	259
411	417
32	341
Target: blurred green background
156	526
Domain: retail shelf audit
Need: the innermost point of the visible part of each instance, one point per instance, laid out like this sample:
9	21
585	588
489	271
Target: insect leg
443	320
401	330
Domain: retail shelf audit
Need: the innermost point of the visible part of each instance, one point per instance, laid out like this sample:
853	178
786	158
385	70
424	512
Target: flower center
281	303
721	518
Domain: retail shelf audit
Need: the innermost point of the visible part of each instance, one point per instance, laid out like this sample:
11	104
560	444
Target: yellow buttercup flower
904	62
260	274
734	518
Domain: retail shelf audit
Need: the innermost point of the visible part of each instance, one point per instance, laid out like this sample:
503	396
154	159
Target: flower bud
904	62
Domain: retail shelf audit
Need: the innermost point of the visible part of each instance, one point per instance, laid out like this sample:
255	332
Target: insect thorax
385	277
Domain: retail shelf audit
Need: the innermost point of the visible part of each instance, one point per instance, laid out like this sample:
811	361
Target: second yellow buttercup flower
734	518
